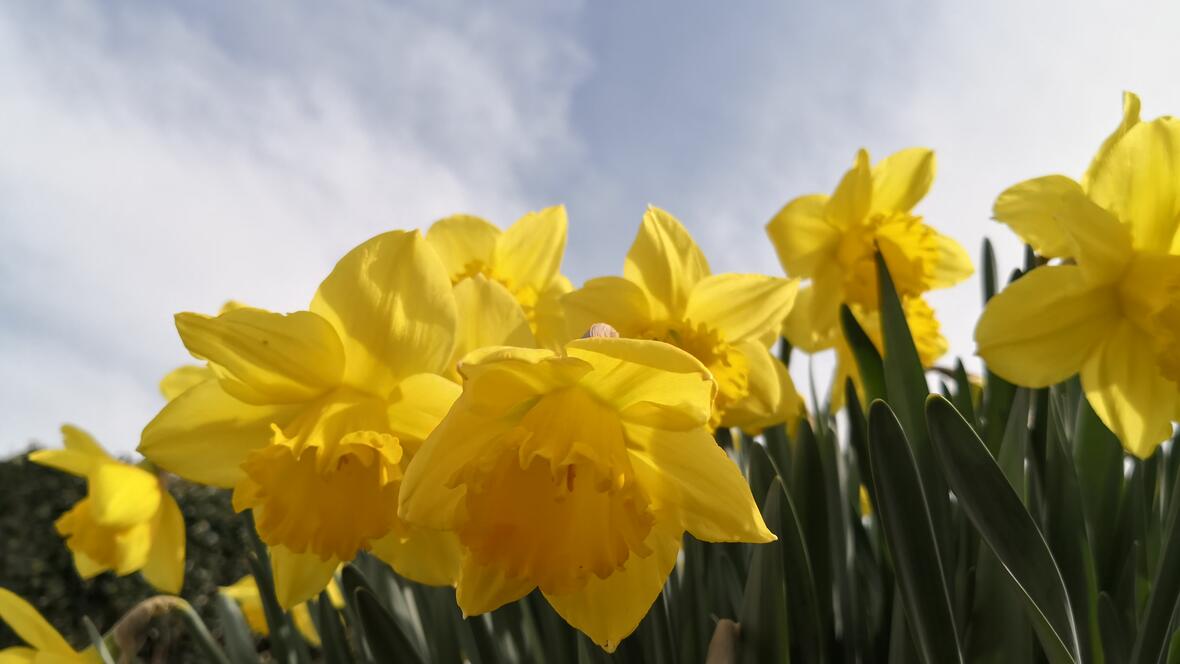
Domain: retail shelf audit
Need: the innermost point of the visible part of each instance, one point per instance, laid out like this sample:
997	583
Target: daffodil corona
525	259
1108	304
312	416
578	473
128	522
727	321
831	241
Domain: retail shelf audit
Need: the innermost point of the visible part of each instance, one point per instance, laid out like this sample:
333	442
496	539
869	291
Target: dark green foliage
35	563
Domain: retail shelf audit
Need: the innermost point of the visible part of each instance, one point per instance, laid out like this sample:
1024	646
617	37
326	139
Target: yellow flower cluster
449	402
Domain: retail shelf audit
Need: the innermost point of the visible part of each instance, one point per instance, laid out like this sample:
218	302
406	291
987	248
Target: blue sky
163	157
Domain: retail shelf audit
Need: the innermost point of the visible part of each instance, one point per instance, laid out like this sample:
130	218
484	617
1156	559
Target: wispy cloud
156	160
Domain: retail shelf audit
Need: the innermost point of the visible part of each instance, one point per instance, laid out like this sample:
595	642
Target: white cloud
156	161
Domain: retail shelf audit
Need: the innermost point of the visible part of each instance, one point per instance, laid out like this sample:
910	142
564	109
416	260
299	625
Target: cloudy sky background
157	158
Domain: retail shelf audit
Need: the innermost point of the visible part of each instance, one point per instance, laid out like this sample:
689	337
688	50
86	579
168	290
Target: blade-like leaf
905	385
1165	595
868	359
239	642
332	637
385	636
763	613
988	500
909	533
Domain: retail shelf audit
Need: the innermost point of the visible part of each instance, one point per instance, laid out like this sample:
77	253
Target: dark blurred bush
35	563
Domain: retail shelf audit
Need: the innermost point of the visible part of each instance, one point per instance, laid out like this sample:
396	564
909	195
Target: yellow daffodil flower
245	593
1109	307
727	321
525	259
578	473
313	416
128	522
45	644
831	240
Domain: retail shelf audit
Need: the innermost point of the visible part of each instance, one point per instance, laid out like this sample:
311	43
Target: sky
161	157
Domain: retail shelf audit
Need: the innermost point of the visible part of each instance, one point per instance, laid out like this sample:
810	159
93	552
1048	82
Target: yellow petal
1042	328
28	624
1130	119
902	179
813	322
81	456
488	316
772	398
741	306
204	434
608	610
427	556
1032	209
465	244
175	382
1139	181
132	546
266	357
802	236
299	576
1101	245
301	616
529	252
549	316
123	495
419	404
18	655
647	381
688	473
853	196
507	376
665	262
951	265
87	567
165	564
390	300
611	300
1127	391
482	588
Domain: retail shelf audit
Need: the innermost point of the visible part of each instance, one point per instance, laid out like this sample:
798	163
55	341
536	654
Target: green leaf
905	385
96	640
1164	598
964	401
989	271
239	640
1000	630
1114	636
988	500
1065	528
808	493
868	359
909	533
333	641
385	636
763	614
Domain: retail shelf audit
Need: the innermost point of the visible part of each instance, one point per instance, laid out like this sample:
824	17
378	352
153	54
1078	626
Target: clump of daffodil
525	259
831	241
578	473
312	417
1108	305
45	644
128	522
727	321
249	600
